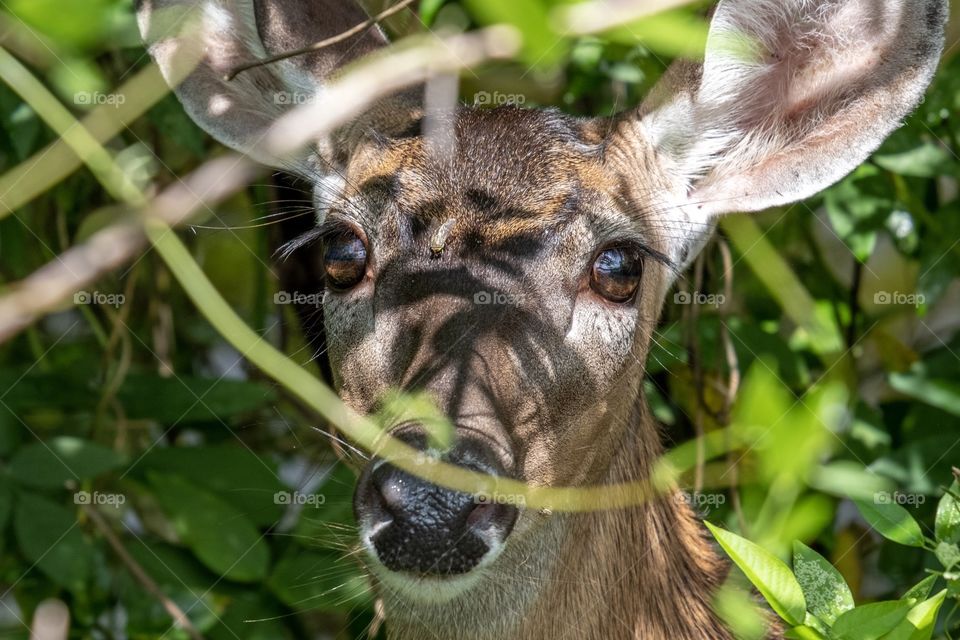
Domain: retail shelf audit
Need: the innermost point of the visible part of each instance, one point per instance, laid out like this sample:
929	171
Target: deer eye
344	260
616	272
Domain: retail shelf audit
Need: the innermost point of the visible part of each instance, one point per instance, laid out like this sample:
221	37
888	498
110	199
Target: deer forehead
511	173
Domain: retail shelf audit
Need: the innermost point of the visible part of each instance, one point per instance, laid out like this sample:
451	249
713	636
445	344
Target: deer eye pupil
616	274
344	261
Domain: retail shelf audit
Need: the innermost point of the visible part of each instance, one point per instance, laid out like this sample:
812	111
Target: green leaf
803	632
429	10
741	612
948	516
892	521
190	399
920	591
49	536
870	621
920	621
942	394
234	473
948	554
52	463
769	574
220	536
824	589
318	581
6	504
925	160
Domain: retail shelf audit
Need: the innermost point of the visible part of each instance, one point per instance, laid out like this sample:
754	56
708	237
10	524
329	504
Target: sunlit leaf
948	515
769	574
920	621
892	522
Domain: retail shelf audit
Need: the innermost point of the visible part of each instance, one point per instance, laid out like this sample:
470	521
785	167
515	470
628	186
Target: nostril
482	516
392	494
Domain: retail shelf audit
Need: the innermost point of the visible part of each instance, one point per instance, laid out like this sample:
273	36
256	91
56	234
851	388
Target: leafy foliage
126	414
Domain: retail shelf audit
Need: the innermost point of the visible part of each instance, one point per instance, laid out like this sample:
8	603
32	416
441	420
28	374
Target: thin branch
317	46
140	575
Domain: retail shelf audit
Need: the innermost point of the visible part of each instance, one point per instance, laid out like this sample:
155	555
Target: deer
518	280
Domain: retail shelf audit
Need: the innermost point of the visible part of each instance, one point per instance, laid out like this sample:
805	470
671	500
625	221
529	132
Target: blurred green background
837	319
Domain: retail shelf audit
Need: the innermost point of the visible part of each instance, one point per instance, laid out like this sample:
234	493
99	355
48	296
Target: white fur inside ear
791	97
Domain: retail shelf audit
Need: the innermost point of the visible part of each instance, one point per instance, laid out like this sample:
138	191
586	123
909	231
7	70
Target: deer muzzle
412	526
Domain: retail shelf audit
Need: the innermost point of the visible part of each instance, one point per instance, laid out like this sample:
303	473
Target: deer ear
792	95
222	34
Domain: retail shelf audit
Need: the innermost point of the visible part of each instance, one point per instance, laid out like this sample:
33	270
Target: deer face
528	328
516	276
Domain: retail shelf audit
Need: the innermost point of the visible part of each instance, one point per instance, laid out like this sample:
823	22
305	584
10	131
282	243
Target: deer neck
643	572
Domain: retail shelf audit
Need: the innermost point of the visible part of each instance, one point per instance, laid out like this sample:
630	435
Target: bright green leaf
769	574
920	621
892	522
948	516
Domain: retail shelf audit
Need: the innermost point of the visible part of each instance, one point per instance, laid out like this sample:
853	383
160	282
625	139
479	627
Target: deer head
518	278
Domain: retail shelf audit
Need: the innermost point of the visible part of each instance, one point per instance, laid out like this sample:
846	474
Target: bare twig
317	46
733	379
140	575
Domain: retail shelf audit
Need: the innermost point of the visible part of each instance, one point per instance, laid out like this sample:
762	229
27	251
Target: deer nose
418	527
